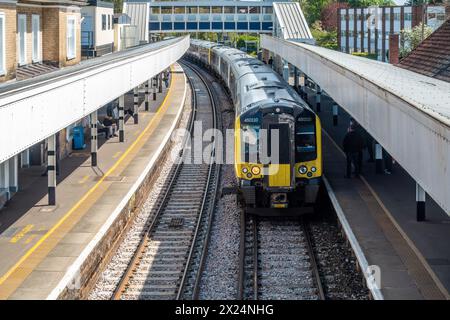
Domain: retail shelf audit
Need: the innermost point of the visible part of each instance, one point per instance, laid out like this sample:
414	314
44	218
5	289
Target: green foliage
372	56
421	2
313	8
327	39
118	5
411	38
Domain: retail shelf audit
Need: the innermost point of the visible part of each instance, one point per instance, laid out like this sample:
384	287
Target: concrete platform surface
39	243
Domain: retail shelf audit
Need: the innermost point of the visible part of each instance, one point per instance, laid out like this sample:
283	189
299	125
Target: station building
368	29
37	37
157	17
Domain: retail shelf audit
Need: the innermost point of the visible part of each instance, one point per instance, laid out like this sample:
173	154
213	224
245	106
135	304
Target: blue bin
78	138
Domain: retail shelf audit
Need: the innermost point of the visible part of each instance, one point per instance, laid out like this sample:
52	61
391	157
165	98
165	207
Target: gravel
337	266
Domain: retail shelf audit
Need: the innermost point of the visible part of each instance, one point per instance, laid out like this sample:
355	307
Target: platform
38	243
381	210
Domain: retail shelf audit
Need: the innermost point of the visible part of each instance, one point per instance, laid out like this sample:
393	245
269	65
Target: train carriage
269	115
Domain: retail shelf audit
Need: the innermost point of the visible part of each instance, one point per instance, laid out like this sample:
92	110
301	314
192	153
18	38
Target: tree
421	2
324	38
411	38
118	5
368	3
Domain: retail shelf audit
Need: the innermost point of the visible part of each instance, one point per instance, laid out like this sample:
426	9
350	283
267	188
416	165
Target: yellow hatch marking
86	195
21	233
30	238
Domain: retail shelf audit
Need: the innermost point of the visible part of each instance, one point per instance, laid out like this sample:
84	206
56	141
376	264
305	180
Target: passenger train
263	100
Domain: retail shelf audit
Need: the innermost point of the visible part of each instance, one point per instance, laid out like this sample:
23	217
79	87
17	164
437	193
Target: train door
281	151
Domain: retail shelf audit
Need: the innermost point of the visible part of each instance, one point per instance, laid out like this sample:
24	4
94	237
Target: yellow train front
285	183
278	145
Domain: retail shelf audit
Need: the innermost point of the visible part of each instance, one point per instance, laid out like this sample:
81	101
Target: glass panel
204	9
268	10
192	9
243	10
179	10
35	30
71	38
22	43
229	9
156	10
166	10
256	10
216	9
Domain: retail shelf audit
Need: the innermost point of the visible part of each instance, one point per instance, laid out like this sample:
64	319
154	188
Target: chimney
394	47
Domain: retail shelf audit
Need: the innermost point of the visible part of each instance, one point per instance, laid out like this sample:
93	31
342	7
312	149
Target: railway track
277	260
169	257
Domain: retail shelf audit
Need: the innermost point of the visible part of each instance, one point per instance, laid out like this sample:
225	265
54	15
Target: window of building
179	10
2	43
103	21
242	10
35	35
408	16
204	9
192	10
22	32
166	10
71	37
256	10
156	10
216	10
229	9
268	10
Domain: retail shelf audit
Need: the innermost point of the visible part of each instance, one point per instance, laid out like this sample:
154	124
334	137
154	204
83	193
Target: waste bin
78	138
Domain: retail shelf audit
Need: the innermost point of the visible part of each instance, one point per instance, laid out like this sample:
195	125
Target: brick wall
54	35
50	34
10	41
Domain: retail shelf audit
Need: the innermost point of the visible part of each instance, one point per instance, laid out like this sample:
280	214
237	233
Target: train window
250	140
305	140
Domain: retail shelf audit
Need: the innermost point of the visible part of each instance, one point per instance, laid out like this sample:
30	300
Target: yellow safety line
77	205
411	244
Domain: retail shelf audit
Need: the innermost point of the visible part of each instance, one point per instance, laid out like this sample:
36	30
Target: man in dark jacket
353	146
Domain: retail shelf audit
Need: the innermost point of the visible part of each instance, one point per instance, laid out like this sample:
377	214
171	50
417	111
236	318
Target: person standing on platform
166	78
353	145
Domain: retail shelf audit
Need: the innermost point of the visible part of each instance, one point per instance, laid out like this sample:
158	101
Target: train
265	102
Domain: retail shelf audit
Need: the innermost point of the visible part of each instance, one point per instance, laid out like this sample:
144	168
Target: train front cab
290	185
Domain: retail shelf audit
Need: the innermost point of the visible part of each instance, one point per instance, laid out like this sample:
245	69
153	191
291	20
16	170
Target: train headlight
303	169
249	175
244	170
313	169
256	171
